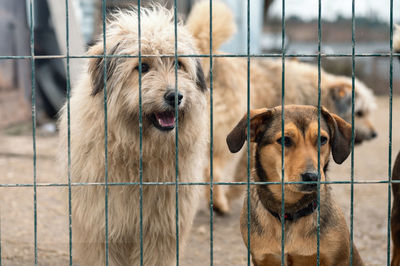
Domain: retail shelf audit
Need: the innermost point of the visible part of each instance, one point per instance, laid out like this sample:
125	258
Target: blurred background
372	35
371	159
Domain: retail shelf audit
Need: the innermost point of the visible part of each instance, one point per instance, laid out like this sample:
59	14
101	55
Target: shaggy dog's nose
309	176
169	98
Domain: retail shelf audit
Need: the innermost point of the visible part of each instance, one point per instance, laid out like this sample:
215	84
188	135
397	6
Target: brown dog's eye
145	68
286	140
324	140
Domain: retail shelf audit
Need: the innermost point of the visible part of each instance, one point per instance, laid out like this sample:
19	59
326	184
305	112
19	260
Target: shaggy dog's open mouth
164	121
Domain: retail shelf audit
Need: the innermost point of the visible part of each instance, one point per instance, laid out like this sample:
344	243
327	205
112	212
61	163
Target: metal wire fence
248	55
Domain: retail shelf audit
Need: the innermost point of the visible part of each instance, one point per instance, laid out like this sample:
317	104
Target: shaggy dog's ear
259	122
96	66
340	139
200	80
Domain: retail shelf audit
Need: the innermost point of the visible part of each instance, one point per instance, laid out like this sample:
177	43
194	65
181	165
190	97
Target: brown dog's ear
96	66
238	135
200	80
340	139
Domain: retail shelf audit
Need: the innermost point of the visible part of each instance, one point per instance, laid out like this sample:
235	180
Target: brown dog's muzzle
312	177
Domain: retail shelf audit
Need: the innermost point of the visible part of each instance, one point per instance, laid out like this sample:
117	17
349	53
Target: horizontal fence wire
198	183
277	55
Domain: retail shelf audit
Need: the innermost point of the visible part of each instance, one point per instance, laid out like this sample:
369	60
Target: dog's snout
309	176
374	134
169	97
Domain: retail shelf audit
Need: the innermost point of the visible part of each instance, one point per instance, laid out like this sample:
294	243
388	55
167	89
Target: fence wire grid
283	55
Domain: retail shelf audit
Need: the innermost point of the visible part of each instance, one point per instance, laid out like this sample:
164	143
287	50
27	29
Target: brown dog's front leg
396	256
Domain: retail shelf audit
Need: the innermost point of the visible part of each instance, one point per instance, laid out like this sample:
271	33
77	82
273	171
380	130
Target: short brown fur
301	158
395	219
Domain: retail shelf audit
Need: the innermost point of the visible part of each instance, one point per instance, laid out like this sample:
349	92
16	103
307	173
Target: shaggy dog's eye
360	113
145	68
286	140
179	65
324	140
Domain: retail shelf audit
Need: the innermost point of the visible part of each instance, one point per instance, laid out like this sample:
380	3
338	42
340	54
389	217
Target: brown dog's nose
309	176
169	98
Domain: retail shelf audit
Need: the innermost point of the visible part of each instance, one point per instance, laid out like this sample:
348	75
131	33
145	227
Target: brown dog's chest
300	235
300	245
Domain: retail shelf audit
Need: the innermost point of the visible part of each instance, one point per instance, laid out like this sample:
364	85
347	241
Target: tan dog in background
300	140
230	91
158	110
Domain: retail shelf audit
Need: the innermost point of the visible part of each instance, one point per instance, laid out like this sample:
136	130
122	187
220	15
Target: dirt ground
17	213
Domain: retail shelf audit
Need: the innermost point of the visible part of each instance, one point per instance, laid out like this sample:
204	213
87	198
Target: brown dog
300	139
395	220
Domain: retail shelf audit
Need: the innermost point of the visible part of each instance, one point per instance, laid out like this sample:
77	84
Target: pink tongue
166	119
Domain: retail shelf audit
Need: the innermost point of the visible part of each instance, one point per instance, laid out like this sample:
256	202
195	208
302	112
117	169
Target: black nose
374	135
169	97
309	176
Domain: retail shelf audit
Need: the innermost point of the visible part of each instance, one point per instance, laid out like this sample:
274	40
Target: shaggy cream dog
87	129
230	91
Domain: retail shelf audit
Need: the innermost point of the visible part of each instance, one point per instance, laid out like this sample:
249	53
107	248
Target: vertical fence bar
248	135
390	131
69	131
140	138
176	135
105	130
283	139
353	68
211	147
319	134
0	236
32	50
